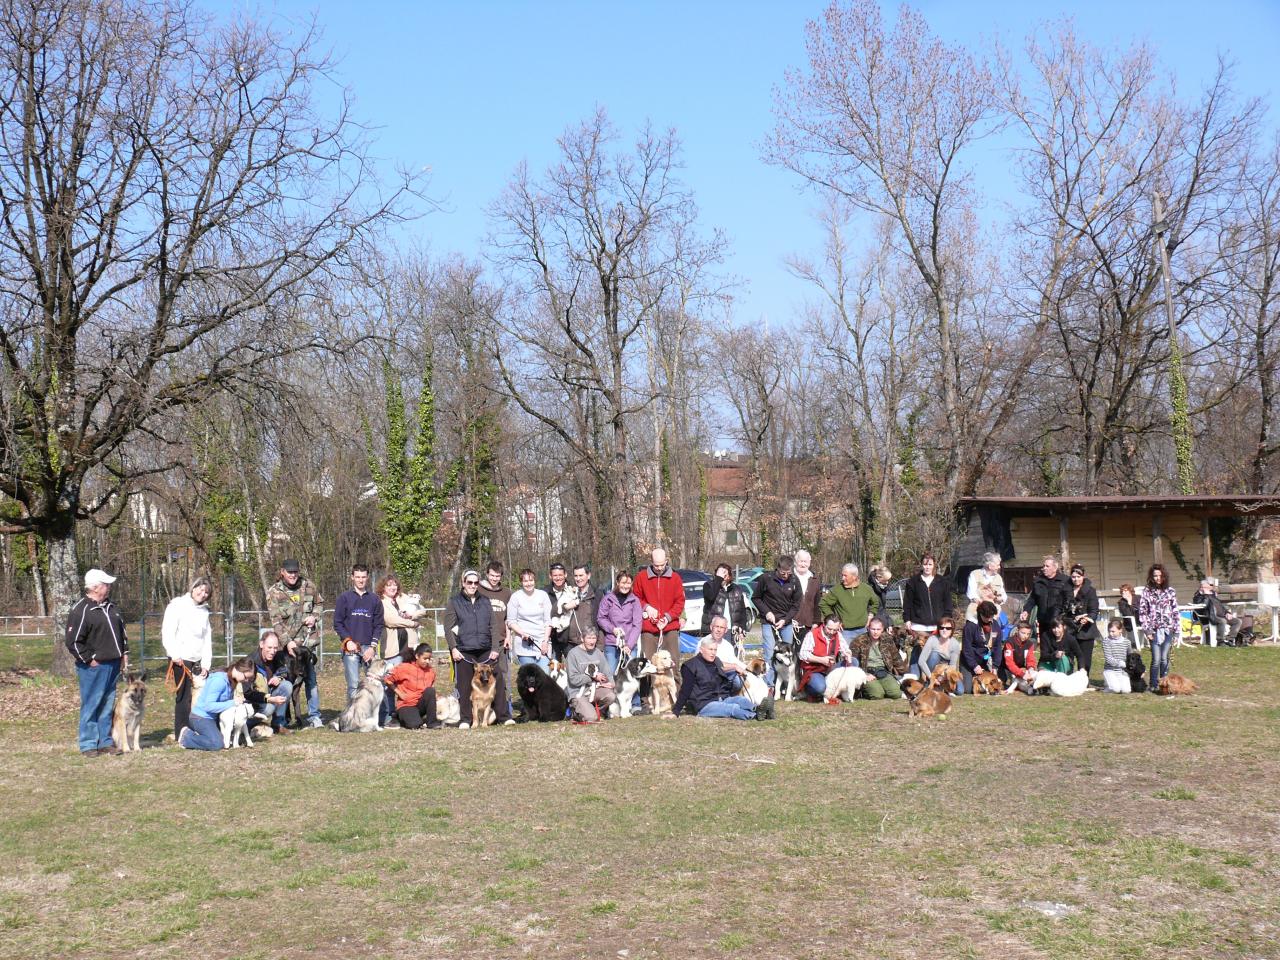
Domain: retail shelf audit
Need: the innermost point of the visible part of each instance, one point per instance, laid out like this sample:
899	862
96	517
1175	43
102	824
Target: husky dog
784	667
628	681
361	715
126	722
234	724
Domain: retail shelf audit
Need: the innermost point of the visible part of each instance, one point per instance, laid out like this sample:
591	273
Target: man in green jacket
851	600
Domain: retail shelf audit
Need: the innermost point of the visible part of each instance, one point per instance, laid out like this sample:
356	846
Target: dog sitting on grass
484	687
126	720
361	715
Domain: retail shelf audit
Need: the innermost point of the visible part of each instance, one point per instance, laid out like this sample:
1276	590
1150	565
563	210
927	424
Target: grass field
1107	826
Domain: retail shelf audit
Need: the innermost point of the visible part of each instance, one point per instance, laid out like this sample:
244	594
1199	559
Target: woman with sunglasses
943	645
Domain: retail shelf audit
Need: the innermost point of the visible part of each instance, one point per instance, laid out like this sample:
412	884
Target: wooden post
1064	546
1208	547
1157	531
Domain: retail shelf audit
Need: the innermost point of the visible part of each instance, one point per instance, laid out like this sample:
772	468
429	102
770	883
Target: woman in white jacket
188	643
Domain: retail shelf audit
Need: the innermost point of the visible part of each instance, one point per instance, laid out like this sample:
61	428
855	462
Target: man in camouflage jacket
293	604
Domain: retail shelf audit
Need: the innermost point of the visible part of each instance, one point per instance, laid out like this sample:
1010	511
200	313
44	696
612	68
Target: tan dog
484	687
931	702
1176	685
126	720
663	671
987	683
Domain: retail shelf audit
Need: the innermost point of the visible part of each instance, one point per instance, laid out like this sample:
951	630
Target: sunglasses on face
946	629
471	583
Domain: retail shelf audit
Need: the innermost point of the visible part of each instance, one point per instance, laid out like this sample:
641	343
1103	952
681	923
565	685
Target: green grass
868	834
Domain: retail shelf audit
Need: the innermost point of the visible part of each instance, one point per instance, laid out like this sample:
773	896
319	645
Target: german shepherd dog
126	721
484	687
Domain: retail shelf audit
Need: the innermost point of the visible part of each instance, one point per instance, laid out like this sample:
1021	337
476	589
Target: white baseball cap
96	576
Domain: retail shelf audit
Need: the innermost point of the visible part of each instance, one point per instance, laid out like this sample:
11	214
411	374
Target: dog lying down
1176	685
930	701
1062	684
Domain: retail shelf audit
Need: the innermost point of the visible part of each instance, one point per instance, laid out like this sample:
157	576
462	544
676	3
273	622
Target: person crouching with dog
468	629
414	683
95	637
590	691
187	638
1020	659
822	649
217	694
707	690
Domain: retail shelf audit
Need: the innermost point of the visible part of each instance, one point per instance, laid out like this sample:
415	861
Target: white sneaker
464	726
315	723
508	722
182	733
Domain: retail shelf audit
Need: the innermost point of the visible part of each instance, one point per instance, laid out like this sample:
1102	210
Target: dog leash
172	685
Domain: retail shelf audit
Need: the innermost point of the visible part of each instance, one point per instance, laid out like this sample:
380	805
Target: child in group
1020	659
217	694
1115	650
414	683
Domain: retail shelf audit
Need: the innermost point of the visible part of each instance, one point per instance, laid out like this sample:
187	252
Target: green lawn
1146	826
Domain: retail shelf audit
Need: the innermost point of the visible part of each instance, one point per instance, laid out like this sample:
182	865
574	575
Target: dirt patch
29	694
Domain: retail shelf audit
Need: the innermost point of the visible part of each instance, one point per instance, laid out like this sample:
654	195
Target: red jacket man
661	594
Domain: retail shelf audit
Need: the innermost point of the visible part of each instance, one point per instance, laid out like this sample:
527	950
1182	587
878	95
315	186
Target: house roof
1237	504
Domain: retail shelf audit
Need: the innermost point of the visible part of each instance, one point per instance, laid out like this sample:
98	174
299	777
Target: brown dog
987	683
1176	685
484	688
663	693
126	720
930	702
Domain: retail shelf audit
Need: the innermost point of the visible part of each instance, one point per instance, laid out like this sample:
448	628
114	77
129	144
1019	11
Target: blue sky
470	89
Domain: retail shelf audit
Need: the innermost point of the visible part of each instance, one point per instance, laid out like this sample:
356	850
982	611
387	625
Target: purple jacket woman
620	611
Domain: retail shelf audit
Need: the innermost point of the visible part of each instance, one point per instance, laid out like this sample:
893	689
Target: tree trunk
64	590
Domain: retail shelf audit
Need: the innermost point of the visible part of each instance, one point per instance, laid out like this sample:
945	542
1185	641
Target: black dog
1137	671
543	699
296	666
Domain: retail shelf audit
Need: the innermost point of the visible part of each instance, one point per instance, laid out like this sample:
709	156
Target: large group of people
587	632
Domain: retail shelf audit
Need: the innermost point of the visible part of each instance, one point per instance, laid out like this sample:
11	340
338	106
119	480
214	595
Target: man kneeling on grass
707	689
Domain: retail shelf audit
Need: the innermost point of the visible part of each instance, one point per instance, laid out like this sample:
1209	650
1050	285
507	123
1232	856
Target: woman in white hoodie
188	643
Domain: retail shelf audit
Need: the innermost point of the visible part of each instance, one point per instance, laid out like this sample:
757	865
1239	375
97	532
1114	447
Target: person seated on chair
1213	612
271	688
705	689
876	652
591	692
823	648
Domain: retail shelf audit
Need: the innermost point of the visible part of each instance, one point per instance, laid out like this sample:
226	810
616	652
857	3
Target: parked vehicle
694	581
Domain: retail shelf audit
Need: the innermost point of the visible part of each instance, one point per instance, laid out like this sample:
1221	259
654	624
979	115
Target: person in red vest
661	594
824	647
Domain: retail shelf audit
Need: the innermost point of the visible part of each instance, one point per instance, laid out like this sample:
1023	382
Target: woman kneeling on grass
217	695
415	685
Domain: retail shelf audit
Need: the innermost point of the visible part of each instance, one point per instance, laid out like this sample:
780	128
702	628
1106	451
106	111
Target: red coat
822	647
664	593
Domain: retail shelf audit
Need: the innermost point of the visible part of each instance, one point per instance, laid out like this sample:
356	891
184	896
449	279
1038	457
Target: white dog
627	682
361	715
234	723
1062	684
844	682
447	711
754	688
558	674
411	605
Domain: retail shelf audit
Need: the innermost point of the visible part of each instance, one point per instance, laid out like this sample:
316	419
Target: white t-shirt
529	613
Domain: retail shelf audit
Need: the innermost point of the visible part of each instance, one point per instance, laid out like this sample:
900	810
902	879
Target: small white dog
558	674
754	688
844	682
447	711
411	605
234	723
1062	684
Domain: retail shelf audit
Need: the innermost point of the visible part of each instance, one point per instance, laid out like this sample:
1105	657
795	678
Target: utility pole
1180	415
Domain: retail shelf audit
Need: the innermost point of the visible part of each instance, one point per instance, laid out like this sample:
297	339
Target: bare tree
167	192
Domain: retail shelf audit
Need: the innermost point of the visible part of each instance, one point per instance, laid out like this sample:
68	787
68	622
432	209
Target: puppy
843	683
559	675
1176	685
542	697
234	724
411	605
784	668
1137	671
661	669
448	712
126	721
484	687
361	715
1062	684
931	701
627	681
987	683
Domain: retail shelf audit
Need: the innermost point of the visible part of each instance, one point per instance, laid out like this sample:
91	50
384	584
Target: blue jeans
733	708
850	635
203	734
771	636
353	666
817	685
277	713
611	656
1161	644
543	662
935	658
313	692
97	701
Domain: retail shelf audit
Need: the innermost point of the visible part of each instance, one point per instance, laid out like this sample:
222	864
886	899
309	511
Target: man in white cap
95	637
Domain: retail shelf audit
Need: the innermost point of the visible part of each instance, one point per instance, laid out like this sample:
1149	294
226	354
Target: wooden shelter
1115	538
